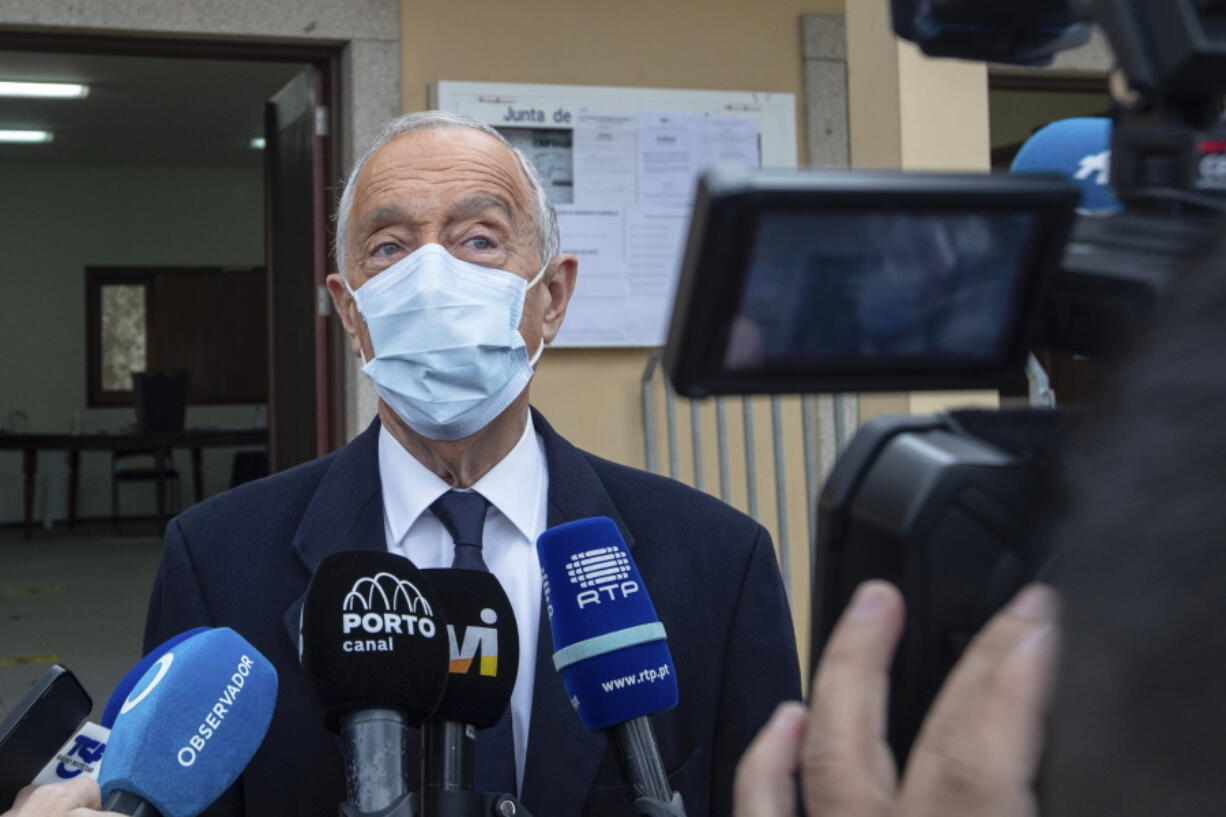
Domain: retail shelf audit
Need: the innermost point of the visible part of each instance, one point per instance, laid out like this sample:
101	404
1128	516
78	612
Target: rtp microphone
125	685
483	643
1078	149
189	727
47	716
610	648
374	644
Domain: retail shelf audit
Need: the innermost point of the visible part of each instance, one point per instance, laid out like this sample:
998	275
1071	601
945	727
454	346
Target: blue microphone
189	726
125	685
1077	149
610	649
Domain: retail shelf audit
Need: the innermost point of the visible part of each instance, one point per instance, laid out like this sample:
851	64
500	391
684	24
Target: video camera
842	281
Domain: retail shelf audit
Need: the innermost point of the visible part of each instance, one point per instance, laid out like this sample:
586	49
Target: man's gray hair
545	217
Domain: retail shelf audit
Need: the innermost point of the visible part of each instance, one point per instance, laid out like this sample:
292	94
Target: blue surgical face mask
448	355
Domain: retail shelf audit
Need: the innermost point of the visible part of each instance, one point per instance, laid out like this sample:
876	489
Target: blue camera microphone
1078	149
189	727
125	685
610	648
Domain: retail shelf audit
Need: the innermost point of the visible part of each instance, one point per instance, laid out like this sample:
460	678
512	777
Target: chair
161	405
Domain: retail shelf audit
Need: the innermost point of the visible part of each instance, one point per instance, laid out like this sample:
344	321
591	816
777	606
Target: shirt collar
512	486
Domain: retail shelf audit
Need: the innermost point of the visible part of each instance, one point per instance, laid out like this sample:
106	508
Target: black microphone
610	649
47	716
483	643
374	644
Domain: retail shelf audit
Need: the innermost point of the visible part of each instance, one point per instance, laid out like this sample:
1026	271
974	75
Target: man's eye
387	249
480	243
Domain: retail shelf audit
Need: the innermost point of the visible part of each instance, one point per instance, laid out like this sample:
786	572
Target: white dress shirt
517	488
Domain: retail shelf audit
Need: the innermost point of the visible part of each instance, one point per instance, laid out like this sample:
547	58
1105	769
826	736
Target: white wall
56	219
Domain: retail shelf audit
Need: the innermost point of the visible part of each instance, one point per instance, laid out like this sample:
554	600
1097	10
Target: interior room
141	204
133	216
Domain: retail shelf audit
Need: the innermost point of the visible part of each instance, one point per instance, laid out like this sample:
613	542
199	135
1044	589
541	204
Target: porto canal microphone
126	684
483	642
189	727
374	645
46	717
610	648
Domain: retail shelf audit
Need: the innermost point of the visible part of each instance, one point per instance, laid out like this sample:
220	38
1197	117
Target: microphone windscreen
483	646
608	641
191	724
1078	149
124	687
373	636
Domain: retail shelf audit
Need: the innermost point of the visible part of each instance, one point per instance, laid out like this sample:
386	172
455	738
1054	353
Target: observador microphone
133	676
374	645
82	753
483	662
189	727
610	648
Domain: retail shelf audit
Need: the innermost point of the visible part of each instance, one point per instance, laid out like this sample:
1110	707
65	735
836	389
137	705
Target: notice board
621	165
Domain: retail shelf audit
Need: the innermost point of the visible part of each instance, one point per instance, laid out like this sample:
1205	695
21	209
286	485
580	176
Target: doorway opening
171	217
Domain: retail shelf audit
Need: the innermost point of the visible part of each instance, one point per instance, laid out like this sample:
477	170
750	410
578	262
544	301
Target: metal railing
822	423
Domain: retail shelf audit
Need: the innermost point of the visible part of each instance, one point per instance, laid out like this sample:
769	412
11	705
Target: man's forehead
454	160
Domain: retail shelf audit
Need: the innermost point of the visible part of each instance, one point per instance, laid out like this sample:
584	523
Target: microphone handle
125	802
446	762
638	755
373	746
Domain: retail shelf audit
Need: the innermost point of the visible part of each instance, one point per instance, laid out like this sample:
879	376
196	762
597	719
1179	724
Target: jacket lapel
345	513
563	757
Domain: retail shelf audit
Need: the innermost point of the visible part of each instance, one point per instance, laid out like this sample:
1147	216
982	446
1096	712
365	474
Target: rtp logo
601	571
476	639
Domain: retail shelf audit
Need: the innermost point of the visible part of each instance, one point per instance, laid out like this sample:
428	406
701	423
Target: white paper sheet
599	310
634	179
668	146
655	243
605	159
729	140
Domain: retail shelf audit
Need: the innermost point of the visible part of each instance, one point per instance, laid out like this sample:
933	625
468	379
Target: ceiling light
256	143
44	90
26	136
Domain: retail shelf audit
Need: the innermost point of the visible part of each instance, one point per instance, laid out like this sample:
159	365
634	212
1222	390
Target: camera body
816	281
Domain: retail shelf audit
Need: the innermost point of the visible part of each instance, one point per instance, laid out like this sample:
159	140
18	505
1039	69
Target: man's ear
343	305
560	284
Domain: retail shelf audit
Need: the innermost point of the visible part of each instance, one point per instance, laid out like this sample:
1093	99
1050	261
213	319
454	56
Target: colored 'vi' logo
477	640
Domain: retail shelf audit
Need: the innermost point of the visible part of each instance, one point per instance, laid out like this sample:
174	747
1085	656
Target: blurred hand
975	756
79	797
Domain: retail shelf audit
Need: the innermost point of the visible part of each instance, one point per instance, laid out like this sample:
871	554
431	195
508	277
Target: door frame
330	372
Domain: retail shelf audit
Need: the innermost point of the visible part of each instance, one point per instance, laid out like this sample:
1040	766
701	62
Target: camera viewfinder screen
880	289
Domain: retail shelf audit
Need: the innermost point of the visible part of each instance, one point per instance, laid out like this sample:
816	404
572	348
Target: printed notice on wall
623	185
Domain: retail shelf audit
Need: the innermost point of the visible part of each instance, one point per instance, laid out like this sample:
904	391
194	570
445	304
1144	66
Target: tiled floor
78	599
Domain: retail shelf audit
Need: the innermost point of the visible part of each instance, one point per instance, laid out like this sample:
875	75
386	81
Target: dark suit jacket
243	560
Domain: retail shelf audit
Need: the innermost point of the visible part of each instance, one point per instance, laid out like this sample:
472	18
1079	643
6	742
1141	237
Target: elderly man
453	283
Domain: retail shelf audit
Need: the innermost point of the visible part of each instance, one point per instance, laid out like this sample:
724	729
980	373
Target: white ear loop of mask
540	350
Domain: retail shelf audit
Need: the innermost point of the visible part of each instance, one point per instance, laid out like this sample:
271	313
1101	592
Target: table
161	443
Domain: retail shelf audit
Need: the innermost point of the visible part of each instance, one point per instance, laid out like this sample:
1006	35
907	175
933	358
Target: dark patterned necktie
463	515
